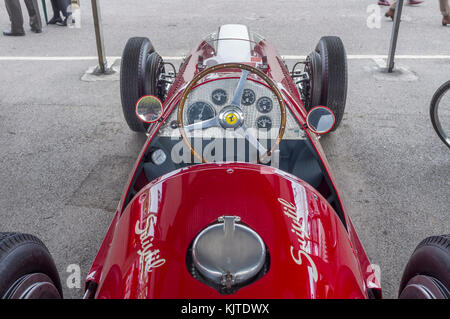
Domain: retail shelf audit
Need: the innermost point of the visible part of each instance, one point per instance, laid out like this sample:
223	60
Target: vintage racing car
231	195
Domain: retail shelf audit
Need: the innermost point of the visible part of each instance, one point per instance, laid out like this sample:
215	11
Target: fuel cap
228	253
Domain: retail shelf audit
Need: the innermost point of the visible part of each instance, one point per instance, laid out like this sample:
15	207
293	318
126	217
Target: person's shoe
383	3
11	33
54	20
390	13
36	30
414	2
62	23
445	20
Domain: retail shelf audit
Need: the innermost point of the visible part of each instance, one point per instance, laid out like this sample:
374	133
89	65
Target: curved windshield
232	43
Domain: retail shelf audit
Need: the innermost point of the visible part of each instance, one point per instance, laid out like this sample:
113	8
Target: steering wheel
232	116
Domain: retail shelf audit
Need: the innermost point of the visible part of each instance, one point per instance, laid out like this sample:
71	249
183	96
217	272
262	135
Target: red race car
231	196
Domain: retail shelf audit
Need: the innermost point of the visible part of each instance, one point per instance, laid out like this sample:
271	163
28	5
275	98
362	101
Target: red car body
314	251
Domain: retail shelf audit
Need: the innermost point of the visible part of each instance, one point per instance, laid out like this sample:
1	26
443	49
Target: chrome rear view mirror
149	109
320	120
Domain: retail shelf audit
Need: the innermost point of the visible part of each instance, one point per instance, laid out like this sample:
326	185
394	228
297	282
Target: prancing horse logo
231	119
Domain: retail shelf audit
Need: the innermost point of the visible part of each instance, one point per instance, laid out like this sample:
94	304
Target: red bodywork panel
312	254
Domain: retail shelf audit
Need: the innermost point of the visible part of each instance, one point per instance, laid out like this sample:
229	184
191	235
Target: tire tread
442	242
22	254
334	75
131	68
9	241
431	258
433	109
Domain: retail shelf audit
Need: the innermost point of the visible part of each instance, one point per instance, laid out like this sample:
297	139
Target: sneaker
11	33
383	3
62	23
54	20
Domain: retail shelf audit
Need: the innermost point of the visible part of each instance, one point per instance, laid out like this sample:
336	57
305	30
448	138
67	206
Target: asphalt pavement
66	151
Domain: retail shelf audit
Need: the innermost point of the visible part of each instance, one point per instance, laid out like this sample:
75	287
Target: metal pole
44	8
394	36
102	63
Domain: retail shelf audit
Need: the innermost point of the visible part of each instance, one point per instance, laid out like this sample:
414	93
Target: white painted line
68	58
293	57
48	58
400	56
376	57
173	58
179	58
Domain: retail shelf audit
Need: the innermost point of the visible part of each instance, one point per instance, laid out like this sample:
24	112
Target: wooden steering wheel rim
222	66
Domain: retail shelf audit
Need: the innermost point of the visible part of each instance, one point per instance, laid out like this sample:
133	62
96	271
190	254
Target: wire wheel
440	112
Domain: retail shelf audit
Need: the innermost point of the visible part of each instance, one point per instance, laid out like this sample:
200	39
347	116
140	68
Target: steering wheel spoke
232	116
239	89
244	132
213	122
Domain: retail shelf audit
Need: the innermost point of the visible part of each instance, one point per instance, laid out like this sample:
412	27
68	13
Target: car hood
309	248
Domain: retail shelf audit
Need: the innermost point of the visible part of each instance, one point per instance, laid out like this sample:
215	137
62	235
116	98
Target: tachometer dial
219	97
200	111
248	97
264	122
264	104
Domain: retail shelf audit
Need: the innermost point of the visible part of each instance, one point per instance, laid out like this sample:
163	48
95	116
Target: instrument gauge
264	104
264	122
200	111
219	97
248	97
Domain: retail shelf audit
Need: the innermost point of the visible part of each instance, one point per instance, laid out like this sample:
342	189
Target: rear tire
427	273
26	264
334	76
139	76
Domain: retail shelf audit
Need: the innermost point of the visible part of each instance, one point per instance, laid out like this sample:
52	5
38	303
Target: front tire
139	76
27	269
334	76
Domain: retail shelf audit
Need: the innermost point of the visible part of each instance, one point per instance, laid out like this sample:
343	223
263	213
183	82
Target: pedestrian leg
35	16
56	13
55	8
445	10
64	6
15	15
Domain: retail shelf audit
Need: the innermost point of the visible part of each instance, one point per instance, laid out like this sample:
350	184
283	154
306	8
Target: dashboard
259	105
260	110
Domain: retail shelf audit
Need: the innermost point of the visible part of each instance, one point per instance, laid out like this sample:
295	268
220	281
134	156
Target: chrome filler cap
228	253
